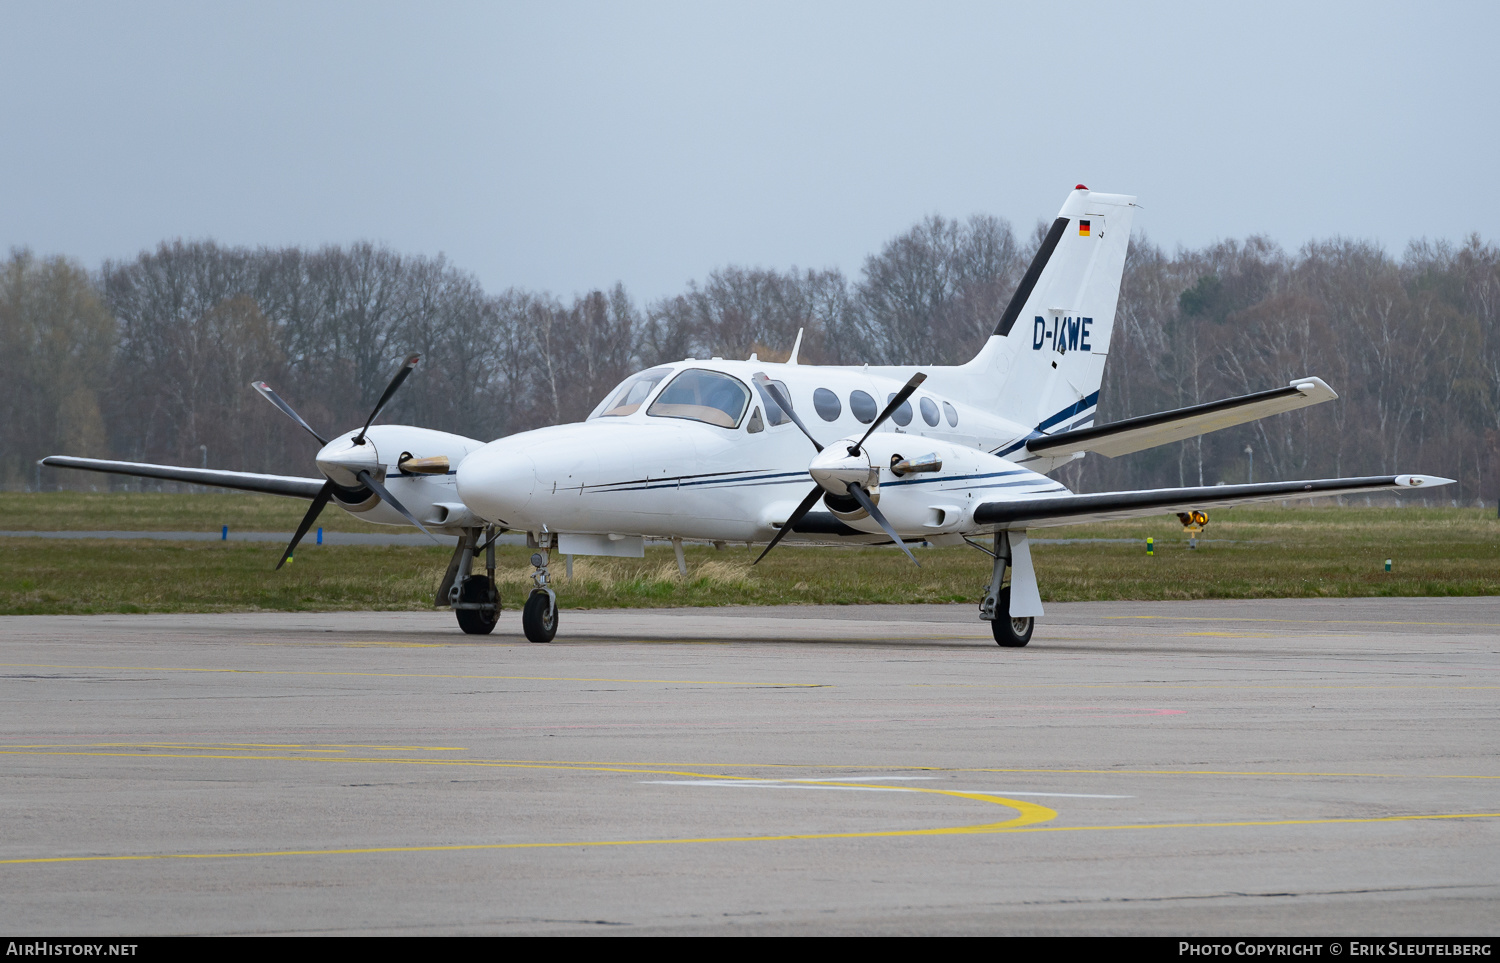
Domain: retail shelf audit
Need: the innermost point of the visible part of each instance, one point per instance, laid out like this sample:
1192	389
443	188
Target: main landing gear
476	601
539	617
473	598
1010	631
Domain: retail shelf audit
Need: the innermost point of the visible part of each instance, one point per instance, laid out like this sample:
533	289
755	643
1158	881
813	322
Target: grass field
1248	553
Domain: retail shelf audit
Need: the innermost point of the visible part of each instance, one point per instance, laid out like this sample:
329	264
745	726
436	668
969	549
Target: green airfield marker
1387	565
1150	545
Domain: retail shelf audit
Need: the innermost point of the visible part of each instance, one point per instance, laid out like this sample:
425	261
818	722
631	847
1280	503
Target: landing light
906	466
437	465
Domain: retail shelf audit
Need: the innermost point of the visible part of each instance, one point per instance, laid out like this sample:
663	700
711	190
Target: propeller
890	409
785	404
807	503
326	493
275	399
853	489
868	504
390	499
390	389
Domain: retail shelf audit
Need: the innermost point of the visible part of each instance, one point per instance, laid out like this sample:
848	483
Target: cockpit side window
631	394
711	397
774	414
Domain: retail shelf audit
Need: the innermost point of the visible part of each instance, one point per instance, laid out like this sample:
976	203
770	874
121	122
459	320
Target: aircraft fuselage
657	475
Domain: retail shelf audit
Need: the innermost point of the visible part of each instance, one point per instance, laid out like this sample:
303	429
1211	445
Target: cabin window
902	416
711	397
862	406
774	414
631	394
952	414
826	404
929	411
756	422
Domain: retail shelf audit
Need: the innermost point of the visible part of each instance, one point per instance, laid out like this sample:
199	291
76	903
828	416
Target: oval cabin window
826	404
902	416
862	405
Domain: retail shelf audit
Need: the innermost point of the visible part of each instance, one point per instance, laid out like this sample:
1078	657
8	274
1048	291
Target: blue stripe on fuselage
1077	408
950	478
744	479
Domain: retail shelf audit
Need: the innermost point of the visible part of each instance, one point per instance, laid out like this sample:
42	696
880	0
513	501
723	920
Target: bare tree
56	345
936	292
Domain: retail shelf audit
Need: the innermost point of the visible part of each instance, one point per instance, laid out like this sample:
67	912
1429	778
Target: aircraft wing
241	480
1148	431
1023	513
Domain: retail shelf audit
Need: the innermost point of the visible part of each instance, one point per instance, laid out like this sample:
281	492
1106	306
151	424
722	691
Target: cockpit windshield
698	395
632	393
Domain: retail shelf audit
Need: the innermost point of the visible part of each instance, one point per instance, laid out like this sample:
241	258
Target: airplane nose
497	484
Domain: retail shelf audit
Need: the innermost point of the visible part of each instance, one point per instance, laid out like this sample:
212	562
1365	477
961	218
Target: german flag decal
1083	228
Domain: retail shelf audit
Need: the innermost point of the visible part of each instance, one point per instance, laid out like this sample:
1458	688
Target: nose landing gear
539	617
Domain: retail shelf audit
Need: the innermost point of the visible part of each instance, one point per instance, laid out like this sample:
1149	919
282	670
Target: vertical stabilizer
1045	361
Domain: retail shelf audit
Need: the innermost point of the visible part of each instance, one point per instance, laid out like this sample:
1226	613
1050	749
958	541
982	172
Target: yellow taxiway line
1030	817
1019	825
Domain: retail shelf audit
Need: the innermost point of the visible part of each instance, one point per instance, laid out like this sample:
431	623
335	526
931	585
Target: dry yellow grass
1248	553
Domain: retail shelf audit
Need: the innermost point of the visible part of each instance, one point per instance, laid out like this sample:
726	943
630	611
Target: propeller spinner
349	464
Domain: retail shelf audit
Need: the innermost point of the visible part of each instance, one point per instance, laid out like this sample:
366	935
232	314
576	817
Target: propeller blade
794	518
785	404
390	389
318	503
868	504
890	409
275	399
379	489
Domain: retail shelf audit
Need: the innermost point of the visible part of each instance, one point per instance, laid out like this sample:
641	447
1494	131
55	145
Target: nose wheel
539	617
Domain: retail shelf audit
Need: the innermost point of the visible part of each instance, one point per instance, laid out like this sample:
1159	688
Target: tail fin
1045	361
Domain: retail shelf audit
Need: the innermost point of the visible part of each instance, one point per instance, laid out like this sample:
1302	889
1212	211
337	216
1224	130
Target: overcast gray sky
564	146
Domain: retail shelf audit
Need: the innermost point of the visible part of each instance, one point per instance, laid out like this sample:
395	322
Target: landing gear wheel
478	588
539	617
1010	631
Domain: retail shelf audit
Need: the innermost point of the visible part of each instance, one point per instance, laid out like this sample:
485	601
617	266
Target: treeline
150	359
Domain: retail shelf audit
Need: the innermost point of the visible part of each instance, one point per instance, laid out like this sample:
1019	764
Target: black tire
478	588
539	617
1010	632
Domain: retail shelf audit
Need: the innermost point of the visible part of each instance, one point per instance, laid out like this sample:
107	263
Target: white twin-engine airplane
760	452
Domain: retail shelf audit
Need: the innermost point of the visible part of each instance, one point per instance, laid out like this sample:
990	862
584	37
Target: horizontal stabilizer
1024	513
1148	431
241	480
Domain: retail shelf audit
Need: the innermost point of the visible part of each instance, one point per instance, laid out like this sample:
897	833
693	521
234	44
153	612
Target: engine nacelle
924	503
410	462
